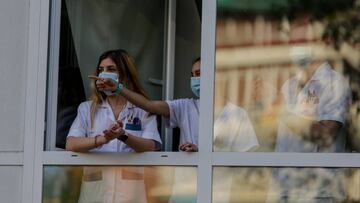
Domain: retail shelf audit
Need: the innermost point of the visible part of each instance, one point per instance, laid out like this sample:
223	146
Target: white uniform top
111	184
233	131
326	96
136	122
184	113
238	135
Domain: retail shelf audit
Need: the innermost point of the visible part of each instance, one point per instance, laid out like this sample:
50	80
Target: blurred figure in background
316	104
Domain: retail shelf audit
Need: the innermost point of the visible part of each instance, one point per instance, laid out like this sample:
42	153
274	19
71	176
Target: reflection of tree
344	28
353	130
320	9
343	33
277	8
341	16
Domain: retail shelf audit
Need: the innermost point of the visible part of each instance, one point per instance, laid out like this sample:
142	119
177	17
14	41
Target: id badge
135	125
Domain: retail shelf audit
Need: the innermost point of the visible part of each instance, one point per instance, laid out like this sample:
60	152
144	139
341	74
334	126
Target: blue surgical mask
195	85
112	76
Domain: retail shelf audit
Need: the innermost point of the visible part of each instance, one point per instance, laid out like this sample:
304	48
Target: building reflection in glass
257	185
255	48
158	184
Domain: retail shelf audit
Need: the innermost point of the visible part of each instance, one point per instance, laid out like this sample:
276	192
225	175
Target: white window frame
34	158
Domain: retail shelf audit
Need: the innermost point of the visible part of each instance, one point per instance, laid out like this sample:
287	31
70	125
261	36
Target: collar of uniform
105	104
322	71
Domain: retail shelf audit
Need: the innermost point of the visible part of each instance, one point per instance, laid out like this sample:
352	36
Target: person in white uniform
182	113
109	123
316	104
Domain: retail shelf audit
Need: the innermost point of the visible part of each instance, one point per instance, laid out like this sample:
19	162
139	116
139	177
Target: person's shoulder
331	75
85	105
326	71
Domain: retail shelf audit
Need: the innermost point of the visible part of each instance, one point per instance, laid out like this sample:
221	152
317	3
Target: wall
13	35
13	54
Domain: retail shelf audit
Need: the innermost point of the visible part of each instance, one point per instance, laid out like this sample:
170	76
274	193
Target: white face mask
112	76
301	56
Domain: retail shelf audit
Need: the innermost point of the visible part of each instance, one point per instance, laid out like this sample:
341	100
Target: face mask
301	56
195	85
112	76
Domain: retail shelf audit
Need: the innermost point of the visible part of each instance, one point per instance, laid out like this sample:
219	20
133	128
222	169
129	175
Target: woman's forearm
83	144
140	144
156	107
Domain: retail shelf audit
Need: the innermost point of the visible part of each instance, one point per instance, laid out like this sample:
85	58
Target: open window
162	39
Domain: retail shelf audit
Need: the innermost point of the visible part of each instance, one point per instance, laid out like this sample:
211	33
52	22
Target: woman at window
109	123
182	113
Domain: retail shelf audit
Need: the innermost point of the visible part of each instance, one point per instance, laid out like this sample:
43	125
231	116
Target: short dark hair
196	60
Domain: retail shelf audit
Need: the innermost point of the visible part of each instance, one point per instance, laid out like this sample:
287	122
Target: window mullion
204	185
53	75
261	159
169	70
120	159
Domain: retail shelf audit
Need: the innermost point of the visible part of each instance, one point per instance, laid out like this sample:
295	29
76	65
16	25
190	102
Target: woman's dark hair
196	60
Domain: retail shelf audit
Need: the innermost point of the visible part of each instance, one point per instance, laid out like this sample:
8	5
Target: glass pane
88	28
286	185
287	76
126	184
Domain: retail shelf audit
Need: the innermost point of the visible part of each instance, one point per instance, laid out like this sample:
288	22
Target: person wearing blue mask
110	123
182	113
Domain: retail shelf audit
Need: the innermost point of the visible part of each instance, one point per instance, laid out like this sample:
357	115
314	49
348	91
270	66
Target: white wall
13	54
10	184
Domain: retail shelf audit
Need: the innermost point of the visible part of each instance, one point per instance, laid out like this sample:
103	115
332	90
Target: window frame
34	158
